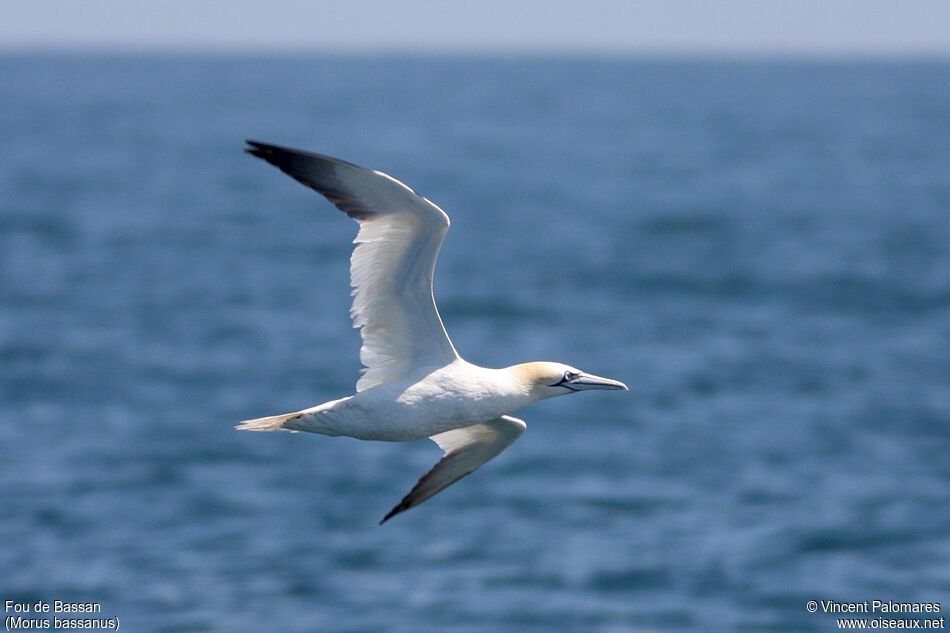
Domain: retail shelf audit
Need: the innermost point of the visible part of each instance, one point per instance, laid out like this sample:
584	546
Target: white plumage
414	384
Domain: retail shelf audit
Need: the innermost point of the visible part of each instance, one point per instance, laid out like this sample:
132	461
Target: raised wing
392	265
465	449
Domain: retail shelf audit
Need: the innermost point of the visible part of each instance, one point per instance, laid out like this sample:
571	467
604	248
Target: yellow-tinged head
546	380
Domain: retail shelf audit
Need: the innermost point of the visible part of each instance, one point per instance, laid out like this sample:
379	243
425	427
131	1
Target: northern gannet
414	384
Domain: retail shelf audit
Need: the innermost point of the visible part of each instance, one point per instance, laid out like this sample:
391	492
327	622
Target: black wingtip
401	507
279	157
317	172
260	150
286	159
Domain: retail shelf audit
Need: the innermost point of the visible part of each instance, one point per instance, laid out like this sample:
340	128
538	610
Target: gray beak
589	381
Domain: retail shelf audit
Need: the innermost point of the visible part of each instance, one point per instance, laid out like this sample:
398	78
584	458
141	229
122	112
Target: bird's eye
567	377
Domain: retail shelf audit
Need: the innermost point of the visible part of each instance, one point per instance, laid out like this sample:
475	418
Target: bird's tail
270	423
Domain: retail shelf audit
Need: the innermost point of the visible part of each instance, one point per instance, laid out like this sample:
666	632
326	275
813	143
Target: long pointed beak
589	381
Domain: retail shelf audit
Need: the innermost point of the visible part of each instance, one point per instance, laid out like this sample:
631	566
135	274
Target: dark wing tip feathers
417	495
409	501
316	172
262	150
402	507
257	146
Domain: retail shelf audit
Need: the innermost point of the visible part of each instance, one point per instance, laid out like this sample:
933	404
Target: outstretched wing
465	449
392	265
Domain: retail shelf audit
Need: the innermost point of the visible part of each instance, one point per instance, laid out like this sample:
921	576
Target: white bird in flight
414	385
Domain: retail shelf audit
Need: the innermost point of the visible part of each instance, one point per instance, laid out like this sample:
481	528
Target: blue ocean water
759	249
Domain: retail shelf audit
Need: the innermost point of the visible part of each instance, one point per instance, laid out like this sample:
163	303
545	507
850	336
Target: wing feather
392	266
465	449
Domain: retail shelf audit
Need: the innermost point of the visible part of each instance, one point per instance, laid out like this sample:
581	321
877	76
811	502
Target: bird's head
546	380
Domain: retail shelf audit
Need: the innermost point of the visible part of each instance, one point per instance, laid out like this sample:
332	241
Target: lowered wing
466	449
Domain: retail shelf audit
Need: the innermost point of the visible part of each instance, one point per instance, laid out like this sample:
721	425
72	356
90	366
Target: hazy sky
878	27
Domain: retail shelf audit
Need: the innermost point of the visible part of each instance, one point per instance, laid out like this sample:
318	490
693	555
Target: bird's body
421	405
415	384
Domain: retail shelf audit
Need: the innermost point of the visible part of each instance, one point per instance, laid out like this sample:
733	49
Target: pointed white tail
270	423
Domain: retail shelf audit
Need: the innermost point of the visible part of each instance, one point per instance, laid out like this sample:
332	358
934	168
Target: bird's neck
525	377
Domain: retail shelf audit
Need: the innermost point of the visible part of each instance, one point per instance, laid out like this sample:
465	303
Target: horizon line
659	52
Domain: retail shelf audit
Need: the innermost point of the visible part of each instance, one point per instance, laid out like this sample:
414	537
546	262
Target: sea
759	248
